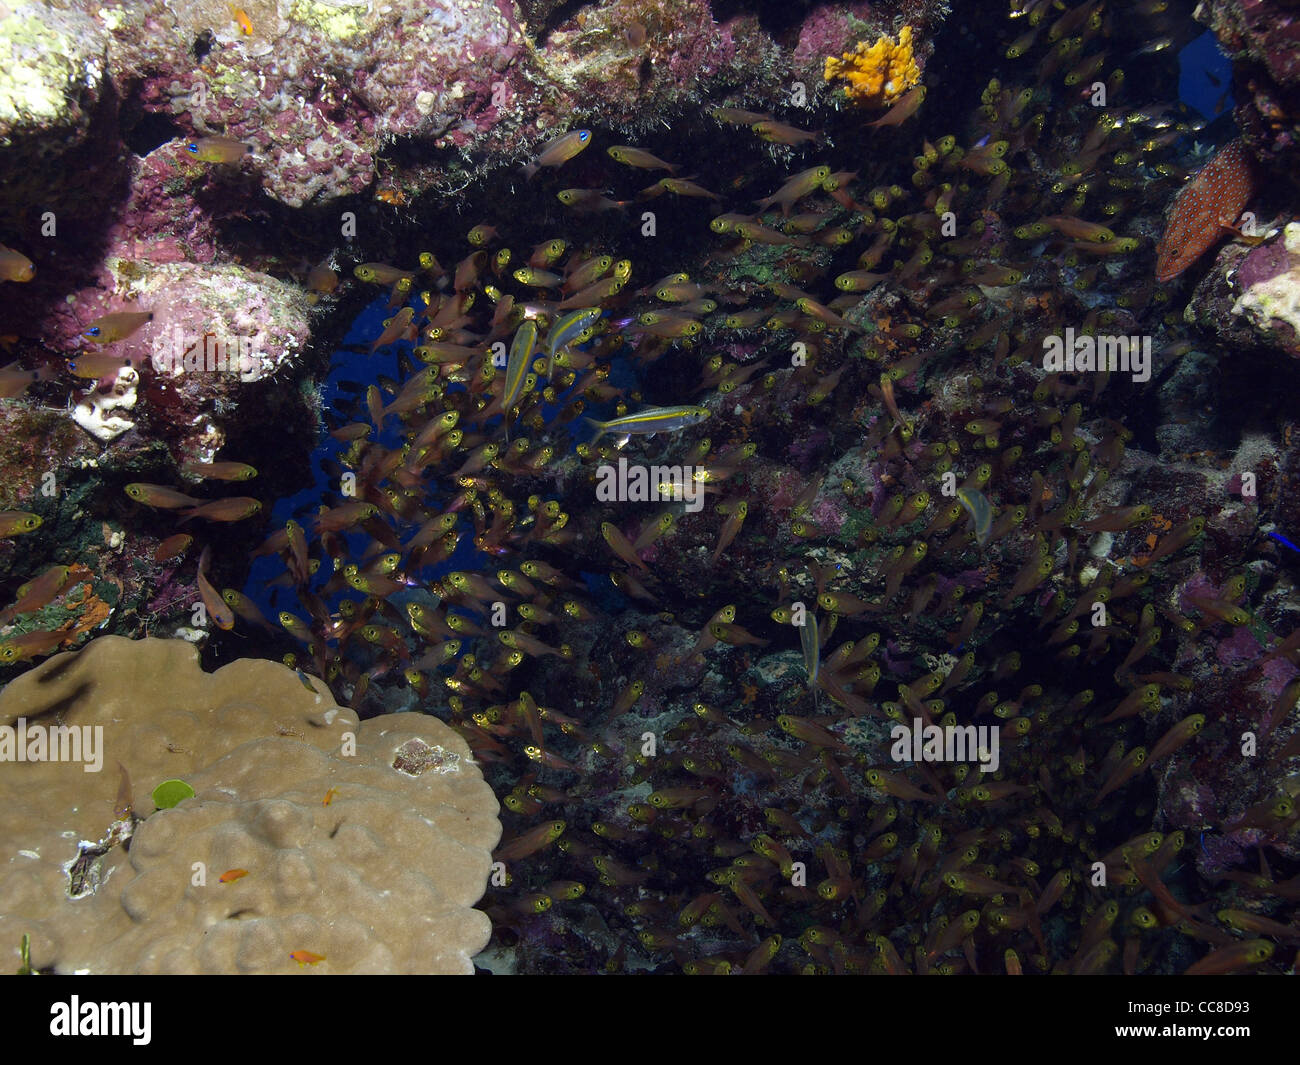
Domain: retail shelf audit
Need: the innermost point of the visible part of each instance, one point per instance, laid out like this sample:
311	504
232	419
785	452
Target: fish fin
599	427
1252	241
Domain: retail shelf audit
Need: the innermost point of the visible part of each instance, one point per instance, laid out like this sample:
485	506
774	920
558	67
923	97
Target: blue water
364	369
1205	77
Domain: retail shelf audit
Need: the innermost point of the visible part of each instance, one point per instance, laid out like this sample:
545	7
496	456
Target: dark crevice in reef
777	17
152	130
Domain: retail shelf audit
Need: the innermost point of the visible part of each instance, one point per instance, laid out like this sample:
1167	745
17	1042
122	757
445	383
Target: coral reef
364	845
356	116
942	616
879	73
98	412
1270	289
1260	36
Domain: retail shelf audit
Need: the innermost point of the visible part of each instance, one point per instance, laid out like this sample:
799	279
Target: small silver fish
566	330
1152	47
811	641
980	510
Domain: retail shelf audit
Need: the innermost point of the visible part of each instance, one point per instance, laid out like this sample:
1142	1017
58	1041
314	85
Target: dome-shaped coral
360	847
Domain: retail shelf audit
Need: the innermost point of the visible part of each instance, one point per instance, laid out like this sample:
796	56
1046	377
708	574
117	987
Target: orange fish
903	110
15	266
241	18
172	546
233	508
329	796
306	957
231	875
119	325
213	603
157	495
1206	208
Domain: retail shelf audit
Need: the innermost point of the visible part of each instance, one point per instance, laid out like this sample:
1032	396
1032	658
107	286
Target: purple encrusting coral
1263	264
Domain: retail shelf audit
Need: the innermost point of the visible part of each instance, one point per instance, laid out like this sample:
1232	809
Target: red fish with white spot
1208	207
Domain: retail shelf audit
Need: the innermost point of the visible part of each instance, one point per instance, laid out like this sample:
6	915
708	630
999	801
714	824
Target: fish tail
529	170
600	427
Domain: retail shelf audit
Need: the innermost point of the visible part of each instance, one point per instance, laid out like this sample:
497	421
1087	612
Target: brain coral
357	847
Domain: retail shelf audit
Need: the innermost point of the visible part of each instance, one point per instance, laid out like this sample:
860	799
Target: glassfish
559	151
214	604
640	159
15	266
157	495
236	508
220	471
14	522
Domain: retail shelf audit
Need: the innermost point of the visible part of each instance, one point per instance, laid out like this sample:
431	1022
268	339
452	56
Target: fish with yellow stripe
649	422
521	353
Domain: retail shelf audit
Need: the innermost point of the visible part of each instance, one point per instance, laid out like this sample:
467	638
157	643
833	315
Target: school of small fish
719	787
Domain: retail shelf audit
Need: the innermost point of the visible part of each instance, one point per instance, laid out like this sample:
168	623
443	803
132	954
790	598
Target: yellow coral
877	74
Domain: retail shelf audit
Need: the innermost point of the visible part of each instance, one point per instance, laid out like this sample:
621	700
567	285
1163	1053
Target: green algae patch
170	792
338	19
40	70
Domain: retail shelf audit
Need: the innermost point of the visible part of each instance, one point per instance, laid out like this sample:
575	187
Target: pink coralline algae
1237	649
336	84
1263	264
829	30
